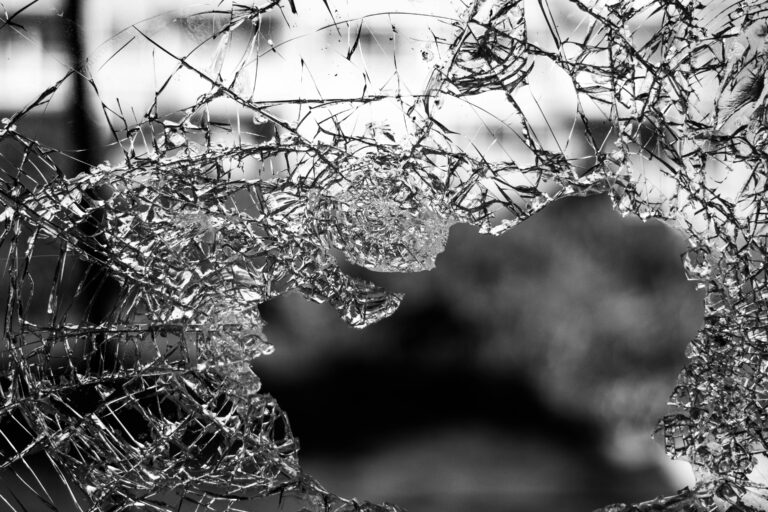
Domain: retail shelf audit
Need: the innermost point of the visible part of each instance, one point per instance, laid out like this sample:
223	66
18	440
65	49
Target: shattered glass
278	140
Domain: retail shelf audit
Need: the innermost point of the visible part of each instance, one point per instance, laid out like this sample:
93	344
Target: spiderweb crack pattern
204	219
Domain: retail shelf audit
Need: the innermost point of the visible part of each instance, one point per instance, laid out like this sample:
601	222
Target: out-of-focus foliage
255	162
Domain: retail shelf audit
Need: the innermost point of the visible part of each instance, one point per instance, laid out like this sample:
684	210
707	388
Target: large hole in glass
526	372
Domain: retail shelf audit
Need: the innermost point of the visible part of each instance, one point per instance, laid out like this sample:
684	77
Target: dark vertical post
84	132
85	137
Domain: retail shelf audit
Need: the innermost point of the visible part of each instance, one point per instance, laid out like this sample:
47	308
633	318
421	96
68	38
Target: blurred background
525	372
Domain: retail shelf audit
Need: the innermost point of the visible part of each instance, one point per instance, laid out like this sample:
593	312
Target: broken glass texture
254	146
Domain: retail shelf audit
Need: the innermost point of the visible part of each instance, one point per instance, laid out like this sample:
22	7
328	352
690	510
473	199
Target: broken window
255	145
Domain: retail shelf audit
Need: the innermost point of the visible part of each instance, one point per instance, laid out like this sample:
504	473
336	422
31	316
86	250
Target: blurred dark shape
557	339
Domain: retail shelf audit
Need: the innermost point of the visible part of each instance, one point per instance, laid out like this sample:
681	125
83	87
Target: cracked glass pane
259	148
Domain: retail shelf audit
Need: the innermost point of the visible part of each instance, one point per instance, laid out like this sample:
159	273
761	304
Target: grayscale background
525	373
